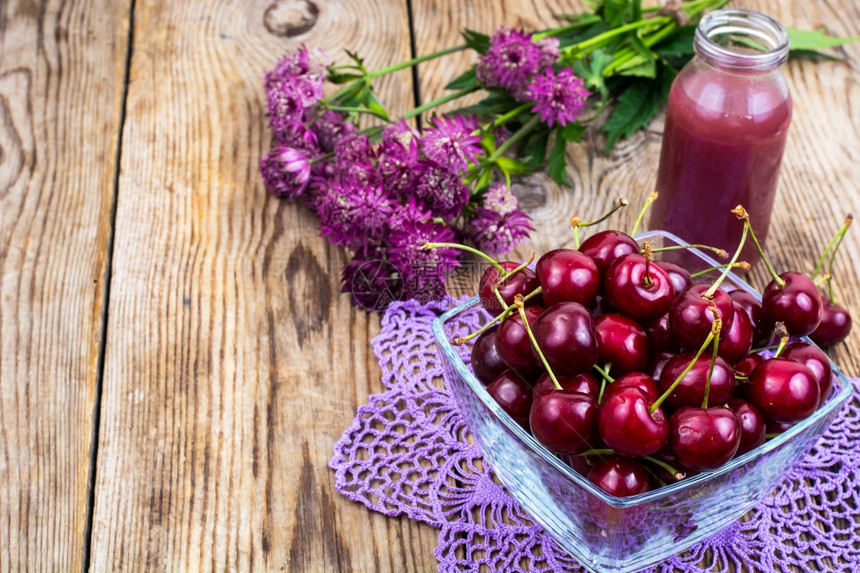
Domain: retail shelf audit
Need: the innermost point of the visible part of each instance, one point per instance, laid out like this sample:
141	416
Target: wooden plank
233	363
61	79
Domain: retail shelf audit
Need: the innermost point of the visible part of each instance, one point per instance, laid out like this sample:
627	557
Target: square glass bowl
601	531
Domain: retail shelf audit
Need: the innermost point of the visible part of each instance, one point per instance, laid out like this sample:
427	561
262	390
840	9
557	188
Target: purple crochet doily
408	452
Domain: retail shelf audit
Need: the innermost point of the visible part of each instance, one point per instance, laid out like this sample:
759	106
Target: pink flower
558	97
286	171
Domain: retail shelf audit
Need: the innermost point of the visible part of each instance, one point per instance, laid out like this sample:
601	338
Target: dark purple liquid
722	147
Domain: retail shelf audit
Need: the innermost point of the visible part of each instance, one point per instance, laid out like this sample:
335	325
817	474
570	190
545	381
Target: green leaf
813	40
557	163
643	65
591	68
617	12
477	41
466	80
359	63
374	106
488	141
533	150
495	103
814	54
637	105
511	166
593	5
339	78
573	132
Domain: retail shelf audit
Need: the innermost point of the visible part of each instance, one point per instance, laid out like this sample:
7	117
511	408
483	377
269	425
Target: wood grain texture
233	363
61	76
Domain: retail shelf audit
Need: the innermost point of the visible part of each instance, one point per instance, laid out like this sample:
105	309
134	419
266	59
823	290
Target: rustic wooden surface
190	357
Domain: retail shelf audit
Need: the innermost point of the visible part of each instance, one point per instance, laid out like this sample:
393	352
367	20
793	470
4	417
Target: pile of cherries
638	375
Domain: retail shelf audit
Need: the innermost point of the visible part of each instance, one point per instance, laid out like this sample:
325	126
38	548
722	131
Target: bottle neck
741	41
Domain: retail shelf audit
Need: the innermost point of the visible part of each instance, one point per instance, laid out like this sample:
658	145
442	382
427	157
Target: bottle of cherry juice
726	126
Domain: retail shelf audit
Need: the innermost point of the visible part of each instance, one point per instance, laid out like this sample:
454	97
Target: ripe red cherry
660	337
777	427
657	363
564	421
486	362
619	476
637	380
514	395
748	364
691	390
621	341
629	292
690	317
813	358
736	342
783	390
751	305
567	276
584	383
523	282
752	424
606	246
679	276
834	327
628	427
704	439
797	304
565	334
514	345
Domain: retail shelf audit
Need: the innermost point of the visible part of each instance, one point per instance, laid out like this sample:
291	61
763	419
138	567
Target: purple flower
410	214
450	142
404	134
293	86
511	60
353	159
372	280
499	198
286	171
558	97
396	166
330	128
423	270
549	52
353	215
440	189
497	234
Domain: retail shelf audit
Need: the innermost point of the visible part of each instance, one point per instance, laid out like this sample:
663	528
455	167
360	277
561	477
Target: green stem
468	249
836	240
782	344
776	278
847	224
603	372
711	368
519	304
675	473
598	452
720	252
763	348
502	119
686	371
437	102
515	270
415	61
740	265
651	198
518	135
610	34
710	292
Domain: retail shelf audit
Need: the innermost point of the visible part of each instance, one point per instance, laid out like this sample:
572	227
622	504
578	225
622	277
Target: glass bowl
601	531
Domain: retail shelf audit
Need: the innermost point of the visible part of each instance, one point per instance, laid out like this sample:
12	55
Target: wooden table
176	359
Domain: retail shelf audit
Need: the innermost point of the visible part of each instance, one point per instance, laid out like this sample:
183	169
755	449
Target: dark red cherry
752	424
621	341
637	380
665	454
783	390
691	390
660	337
704	439
813	358
515	347
514	395
748	364
752	306
627	425
486	362
797	304
567	276
631	294
777	427
735	343
606	246
584	383
565	334
657	362
690	317
523	282
600	306
679	276
565	421
619	476
834	327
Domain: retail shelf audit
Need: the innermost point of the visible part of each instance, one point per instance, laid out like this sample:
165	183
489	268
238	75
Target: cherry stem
782	343
720	252
718	324
833	244
646	280
598	452
651	198
771	436
504	314
468	249
710	292
654	475
518	302
686	371
507	274
763	348
675	473
847	224
577	223
821	279
499	296
743	265
741	213
604	372
603	382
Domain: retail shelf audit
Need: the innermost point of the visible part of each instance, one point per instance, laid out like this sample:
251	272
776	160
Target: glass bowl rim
837	399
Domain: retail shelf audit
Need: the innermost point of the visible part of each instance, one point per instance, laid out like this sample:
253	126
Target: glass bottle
726	126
